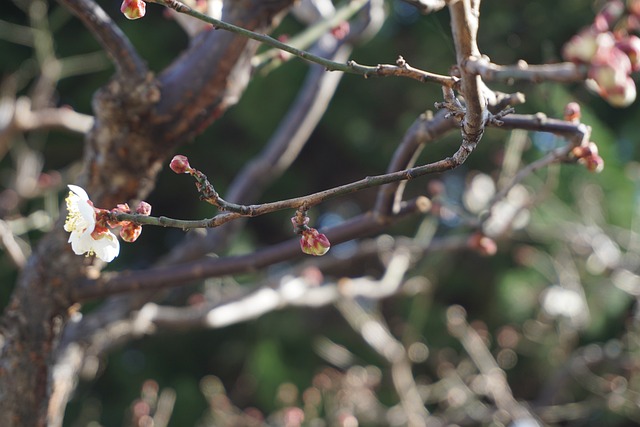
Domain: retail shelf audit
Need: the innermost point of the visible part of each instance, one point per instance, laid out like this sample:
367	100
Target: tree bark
138	126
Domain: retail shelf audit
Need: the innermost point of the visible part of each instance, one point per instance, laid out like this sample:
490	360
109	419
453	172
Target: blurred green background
362	127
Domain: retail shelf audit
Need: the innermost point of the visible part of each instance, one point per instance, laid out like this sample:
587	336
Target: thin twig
564	72
238	211
497	387
177	275
401	69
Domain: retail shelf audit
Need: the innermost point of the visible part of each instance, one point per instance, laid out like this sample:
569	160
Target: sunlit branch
564	72
237	211
376	333
464	28
574	132
401	69
498	388
177	275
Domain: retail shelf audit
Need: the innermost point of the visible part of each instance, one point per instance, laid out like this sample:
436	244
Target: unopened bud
314	243
572	112
593	163
630	45
180	164
482	244
144	208
130	232
133	9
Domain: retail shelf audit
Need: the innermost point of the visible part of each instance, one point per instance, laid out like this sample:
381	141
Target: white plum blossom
81	223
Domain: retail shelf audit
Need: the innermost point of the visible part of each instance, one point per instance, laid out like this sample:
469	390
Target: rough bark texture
135	132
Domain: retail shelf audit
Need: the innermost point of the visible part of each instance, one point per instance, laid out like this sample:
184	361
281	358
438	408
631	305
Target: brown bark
138	125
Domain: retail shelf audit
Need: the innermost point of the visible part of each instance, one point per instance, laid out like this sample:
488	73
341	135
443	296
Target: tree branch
165	277
121	51
564	72
401	69
464	27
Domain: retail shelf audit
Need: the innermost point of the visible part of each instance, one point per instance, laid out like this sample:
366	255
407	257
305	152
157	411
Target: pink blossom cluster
610	51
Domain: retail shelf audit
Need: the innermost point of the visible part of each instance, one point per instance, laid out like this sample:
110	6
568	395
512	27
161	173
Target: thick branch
164	277
120	49
203	82
464	25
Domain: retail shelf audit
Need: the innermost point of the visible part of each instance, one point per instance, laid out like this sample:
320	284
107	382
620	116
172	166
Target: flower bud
133	9
180	164
609	77
630	45
144	208
623	95
130	232
482	244
610	13
583	46
593	163
314	243
341	30
572	112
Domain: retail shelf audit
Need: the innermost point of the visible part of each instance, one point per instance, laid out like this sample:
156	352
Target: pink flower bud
623	95
122	207
180	164
130	232
583	46
133	9
482	244
341	30
314	243
634	6
593	163
144	208
630	45
609	77
607	17
572	112
588	156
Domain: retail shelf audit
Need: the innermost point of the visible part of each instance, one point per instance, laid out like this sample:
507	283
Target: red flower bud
180	164
133	9
130	232
314	243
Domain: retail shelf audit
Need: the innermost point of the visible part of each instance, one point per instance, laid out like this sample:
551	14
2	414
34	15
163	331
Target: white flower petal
107	247
82	243
81	223
79	191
